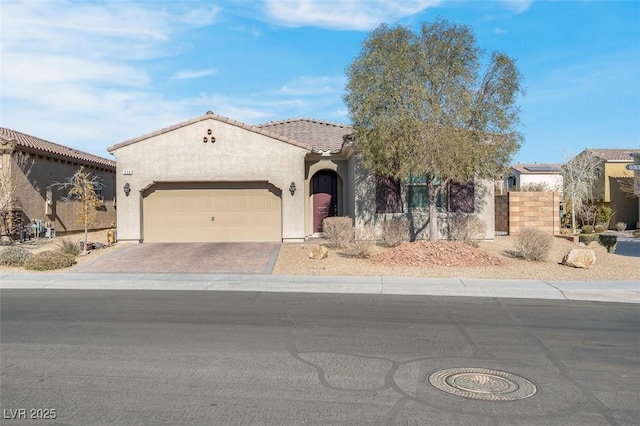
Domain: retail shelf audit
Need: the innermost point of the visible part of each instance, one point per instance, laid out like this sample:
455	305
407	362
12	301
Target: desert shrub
361	245
609	241
587	238
468	229
603	214
621	226
533	244
48	260
338	230
66	245
587	229
599	229
636	233
14	256
394	231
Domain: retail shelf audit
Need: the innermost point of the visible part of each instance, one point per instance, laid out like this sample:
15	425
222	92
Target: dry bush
394	231
67	246
468	229
599	229
338	230
587	229
14	256
49	260
360	246
533	244
621	226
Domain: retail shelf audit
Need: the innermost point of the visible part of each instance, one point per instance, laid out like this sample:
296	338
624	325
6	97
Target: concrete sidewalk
604	291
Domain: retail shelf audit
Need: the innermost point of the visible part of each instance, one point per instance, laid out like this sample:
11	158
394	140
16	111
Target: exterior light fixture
127	189
292	188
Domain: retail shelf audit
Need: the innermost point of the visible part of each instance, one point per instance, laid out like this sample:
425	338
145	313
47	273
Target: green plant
533	244
468	229
587	238
338	230
394	231
599	229
14	256
603	214
621	226
587	229
66	245
609	241
49	260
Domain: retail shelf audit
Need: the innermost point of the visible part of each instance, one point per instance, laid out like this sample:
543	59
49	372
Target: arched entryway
325	197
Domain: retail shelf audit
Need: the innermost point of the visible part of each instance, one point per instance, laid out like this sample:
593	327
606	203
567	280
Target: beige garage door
176	212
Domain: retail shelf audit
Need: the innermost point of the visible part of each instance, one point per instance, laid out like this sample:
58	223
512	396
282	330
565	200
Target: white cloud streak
192	74
343	14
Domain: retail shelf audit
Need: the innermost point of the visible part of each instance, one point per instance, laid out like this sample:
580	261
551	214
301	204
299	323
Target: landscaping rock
595	246
319	252
580	258
442	253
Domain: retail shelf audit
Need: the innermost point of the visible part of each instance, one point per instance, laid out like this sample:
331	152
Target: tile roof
212	116
607	154
538	168
38	145
320	135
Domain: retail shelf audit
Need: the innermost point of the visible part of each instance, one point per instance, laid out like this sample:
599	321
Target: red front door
325	197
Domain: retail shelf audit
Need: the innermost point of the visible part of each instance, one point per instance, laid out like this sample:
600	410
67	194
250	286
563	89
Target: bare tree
82	188
579	174
13	163
423	106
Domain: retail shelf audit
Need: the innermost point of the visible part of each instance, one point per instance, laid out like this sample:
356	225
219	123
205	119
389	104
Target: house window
462	197
388	196
418	193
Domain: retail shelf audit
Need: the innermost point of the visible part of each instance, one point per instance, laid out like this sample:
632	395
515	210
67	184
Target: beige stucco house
212	178
31	168
614	186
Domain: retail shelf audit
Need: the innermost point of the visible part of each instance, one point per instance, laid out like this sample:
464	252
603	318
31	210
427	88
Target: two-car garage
207	211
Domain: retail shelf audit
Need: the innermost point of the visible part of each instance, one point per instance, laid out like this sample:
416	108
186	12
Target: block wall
540	210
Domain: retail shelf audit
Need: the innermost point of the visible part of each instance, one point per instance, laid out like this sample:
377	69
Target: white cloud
191	74
499	31
518	6
343	14
74	72
313	86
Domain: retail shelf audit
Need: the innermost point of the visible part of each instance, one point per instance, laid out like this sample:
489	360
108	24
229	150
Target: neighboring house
30	169
609	188
216	179
521	176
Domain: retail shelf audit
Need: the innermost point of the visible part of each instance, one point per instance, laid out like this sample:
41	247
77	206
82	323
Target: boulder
319	252
580	258
595	246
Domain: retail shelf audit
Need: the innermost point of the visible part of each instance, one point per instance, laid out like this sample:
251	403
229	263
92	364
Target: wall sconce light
127	189
292	188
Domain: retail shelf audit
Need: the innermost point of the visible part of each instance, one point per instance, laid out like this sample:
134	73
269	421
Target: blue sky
90	74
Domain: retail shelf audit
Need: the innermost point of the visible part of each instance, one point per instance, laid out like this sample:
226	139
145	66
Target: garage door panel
241	212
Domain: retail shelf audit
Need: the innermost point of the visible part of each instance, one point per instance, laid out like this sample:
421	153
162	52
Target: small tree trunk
433	211
86	235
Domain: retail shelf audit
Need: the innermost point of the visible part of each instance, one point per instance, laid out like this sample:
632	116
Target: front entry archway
325	197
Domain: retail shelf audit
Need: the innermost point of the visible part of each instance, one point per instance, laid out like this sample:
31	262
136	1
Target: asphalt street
98	357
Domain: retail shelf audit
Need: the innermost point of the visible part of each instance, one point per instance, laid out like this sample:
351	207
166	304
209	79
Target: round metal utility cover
482	384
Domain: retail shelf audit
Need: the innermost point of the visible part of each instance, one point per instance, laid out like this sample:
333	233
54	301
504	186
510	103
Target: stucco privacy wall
179	154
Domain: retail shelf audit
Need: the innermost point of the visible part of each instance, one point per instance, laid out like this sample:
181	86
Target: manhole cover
481	383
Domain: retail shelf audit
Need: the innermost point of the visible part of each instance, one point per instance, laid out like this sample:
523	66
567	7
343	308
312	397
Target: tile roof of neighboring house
38	145
320	135
538	168
607	154
212	116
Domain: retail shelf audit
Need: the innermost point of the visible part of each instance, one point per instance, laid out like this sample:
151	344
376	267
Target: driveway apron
229	258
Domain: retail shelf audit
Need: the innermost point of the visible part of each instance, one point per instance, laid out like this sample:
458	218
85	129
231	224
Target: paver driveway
230	258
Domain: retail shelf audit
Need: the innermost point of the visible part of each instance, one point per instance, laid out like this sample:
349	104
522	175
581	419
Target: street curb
603	291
